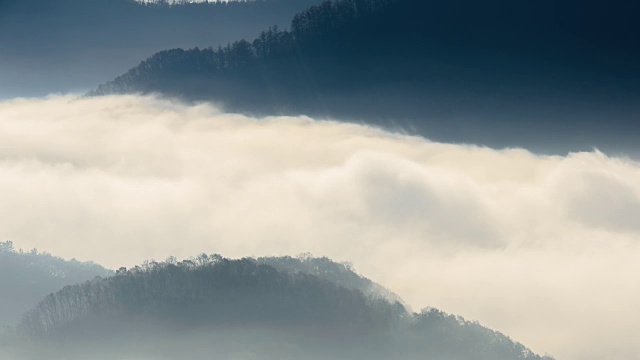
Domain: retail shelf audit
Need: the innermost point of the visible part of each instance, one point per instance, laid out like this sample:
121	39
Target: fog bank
543	248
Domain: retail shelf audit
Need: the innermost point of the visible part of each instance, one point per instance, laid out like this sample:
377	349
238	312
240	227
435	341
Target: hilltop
467	71
244	309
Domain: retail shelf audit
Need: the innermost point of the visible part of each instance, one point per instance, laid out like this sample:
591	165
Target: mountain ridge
27	277
233	306
67	46
458	71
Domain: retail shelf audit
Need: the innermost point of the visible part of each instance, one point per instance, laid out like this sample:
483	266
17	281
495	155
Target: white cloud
545	249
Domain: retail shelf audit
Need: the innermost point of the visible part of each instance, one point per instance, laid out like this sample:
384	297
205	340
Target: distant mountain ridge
445	69
243	309
27	277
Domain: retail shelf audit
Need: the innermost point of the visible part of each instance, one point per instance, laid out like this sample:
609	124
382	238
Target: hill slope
453	70
27	277
242	309
70	45
323	268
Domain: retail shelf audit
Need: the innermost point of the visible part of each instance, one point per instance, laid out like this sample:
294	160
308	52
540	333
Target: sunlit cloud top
543	248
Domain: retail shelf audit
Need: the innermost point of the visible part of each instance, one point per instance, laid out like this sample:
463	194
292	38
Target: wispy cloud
546	249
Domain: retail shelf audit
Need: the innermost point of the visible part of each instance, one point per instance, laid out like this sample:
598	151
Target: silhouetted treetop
448	70
208	290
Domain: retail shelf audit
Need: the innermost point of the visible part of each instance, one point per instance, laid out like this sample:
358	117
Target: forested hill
56	46
27	277
448	69
242	309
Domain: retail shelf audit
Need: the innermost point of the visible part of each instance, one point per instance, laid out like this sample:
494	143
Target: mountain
27	277
542	74
241	309
70	45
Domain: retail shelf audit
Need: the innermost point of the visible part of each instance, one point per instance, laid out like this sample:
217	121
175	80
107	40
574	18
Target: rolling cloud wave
543	248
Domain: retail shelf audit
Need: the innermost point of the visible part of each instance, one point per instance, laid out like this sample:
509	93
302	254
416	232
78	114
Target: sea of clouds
543	248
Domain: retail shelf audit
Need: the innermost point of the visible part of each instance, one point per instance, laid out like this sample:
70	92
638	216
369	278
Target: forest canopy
211	303
447	70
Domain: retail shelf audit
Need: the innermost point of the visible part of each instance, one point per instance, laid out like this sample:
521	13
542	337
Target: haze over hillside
550	76
27	277
475	157
70	45
323	268
240	309
542	248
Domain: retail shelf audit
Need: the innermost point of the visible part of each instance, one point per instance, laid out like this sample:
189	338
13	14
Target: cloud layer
545	249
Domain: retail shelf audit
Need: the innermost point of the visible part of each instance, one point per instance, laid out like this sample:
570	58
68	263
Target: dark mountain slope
543	74
27	277
70	45
241	309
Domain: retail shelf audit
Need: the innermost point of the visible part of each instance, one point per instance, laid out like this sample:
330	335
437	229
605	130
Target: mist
543	248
